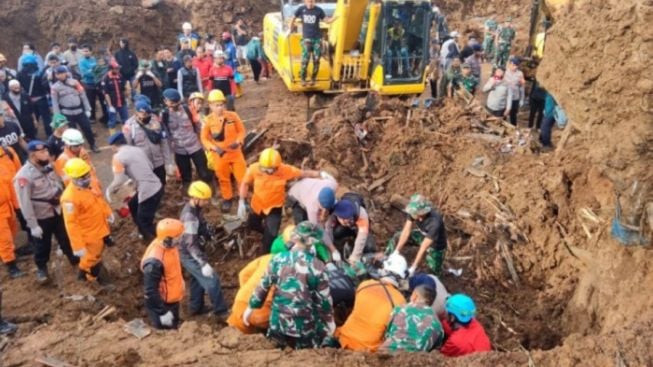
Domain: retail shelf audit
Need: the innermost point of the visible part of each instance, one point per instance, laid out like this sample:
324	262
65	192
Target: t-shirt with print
310	21
10	135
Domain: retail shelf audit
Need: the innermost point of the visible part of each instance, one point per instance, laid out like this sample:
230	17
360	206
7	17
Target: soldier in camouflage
414	327
430	235
490	36
505	36
302	312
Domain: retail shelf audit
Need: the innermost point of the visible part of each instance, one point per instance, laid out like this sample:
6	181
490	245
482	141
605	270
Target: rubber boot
14	272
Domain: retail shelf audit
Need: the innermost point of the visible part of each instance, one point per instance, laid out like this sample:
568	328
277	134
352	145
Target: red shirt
204	65
465	339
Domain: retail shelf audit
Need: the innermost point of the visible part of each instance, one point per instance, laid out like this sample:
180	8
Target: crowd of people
321	282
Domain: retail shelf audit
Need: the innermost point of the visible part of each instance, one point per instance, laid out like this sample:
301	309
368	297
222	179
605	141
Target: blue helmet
327	198
142	106
172	95
344	209
462	307
29	59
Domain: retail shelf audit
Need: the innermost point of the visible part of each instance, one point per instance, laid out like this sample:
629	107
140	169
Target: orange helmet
169	228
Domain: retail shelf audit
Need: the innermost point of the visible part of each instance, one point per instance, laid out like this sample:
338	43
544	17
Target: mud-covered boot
14	272
226	206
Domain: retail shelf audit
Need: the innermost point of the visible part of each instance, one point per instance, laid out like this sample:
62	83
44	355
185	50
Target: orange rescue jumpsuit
249	278
220	132
85	215
83	154
8	206
269	191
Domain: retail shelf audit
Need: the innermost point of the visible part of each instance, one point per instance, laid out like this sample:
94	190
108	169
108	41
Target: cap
60	69
344	209
117	139
477	47
35	146
172	95
142	106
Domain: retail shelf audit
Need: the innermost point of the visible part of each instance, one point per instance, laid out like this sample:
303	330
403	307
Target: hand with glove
335	256
167	319
326	176
88	114
36	232
246	315
80	253
411	271
107	196
331	327
242	209
171	170
207	271
112	109
111	218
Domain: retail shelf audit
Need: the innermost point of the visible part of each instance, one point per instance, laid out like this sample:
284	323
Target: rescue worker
249	278
8	227
375	300
69	98
189	79
55	141
430	235
74	148
144	130
163	283
284	243
223	135
130	162
222	76
505	36
463	333
10	164
312	199
268	180
193	258
39	189
431	281
349	219
113	86
310	16
301	314
489	39
187	35
182	132
87	217
414	327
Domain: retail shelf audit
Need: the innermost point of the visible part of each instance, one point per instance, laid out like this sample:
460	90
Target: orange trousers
230	163
8	229
258	320
92	257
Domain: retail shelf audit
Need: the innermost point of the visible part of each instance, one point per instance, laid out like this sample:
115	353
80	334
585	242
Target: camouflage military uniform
413	329
468	82
301	305
506	36
488	40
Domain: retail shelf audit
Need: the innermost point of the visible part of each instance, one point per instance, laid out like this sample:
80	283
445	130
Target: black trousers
299	214
256	68
536	113
160	172
434	87
268	225
154	317
342	235
186	169
53	226
93	95
514	110
82	122
143	214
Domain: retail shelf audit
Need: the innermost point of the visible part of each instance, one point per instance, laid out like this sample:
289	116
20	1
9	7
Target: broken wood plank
380	182
52	362
104	313
507	257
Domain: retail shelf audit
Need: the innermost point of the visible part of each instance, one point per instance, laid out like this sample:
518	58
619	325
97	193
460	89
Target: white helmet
397	265
72	137
219	53
187	26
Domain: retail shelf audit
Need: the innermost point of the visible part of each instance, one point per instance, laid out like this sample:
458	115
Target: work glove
326	176
521	103
234	145
111	218
331	327
219	151
335	256
246	315
88	114
36	232
411	271
207	271
171	170
107	196
242	209
108	241
80	253
166	319
112	109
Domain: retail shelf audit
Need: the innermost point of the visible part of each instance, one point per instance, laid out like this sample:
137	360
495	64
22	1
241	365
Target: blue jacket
230	52
549	105
87	68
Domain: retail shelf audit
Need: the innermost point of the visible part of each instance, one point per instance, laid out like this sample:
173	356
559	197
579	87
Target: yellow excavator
360	48
542	16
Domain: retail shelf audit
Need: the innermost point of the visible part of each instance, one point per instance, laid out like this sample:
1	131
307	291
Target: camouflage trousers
502	54
434	258
282	341
310	46
488	47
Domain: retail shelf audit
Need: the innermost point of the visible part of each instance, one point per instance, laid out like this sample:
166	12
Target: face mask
73	48
84	182
146	120
43	162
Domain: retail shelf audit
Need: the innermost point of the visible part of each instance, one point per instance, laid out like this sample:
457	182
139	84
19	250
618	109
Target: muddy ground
576	297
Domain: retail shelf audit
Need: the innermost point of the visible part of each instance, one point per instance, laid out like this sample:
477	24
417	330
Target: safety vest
172	285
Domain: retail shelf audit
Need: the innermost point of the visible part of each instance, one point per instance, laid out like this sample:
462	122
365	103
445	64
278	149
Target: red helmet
226	36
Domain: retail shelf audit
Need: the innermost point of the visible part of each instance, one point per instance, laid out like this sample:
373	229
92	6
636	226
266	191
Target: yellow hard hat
216	95
169	228
270	158
196	95
76	168
200	190
287	232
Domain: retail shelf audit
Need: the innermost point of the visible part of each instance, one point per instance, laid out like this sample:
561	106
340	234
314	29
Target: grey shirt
193	224
158	153
182	135
69	98
131	162
500	95
514	78
38	190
